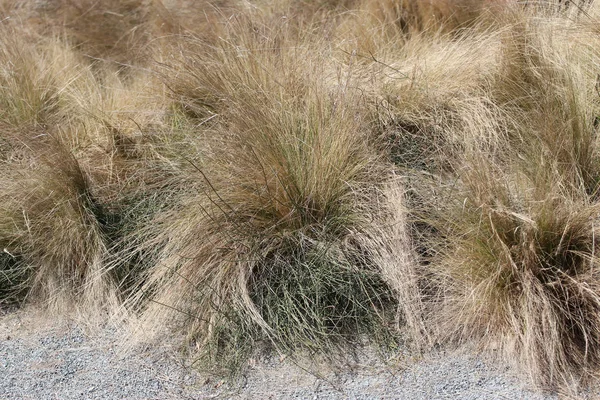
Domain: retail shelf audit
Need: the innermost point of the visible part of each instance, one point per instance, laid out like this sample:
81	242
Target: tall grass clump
49	224
268	239
49	231
516	260
521	272
501	161
426	97
115	33
408	18
302	176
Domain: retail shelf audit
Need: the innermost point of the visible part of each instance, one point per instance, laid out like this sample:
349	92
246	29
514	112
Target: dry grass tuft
271	237
516	219
410	18
303	174
521	272
111	31
49	224
49	230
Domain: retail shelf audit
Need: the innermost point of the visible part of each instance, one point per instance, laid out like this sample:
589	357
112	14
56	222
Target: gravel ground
57	360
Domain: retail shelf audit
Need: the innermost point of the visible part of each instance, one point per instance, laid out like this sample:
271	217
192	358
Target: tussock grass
521	272
515	263
265	237
48	215
432	16
53	229
112	32
300	176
